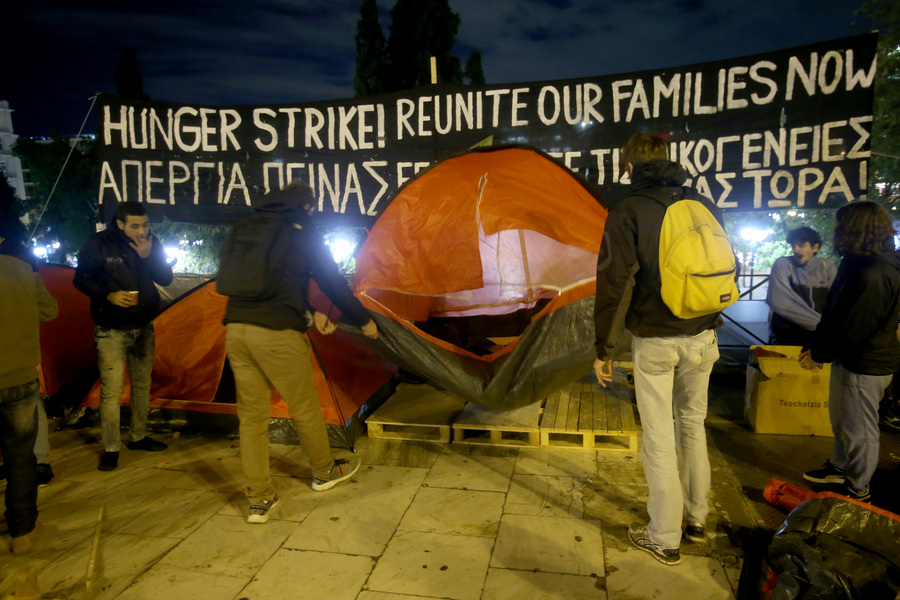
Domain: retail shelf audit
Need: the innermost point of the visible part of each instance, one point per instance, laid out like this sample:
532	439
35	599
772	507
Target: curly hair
863	228
800	235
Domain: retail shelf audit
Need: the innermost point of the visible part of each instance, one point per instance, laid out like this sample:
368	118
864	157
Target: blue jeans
115	348
18	430
671	382
42	444
853	408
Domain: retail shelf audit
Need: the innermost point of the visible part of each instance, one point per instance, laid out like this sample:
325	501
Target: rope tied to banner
63	168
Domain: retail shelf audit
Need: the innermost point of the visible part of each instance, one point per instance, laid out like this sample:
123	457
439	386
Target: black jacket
631	246
107	263
308	257
859	323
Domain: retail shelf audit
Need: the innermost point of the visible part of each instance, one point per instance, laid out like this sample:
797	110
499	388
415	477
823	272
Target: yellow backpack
696	262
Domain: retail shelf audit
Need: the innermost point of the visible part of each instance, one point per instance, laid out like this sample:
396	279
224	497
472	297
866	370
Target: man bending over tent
117	269
265	267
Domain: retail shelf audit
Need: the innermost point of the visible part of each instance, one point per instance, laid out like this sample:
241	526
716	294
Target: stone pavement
419	520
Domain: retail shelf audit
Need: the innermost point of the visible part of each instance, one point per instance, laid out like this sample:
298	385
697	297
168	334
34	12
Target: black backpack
251	263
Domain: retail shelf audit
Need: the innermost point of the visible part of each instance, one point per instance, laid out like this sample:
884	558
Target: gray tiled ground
419	520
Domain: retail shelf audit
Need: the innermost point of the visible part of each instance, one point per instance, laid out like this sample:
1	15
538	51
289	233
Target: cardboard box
782	397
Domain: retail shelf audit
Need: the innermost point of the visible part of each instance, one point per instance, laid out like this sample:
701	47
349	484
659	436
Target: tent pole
333	395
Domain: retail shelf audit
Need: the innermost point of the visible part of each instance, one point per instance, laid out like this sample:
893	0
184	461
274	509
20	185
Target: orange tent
475	243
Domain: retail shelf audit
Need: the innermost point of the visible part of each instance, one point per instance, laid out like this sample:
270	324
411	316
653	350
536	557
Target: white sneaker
259	512
341	469
640	537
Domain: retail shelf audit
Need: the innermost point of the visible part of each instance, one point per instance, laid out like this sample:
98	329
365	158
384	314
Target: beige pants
261	359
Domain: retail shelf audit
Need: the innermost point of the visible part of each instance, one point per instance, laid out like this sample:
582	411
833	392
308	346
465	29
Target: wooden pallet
625	364
517	427
585	416
415	412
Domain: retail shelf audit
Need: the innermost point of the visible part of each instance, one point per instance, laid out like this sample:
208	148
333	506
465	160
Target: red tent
190	355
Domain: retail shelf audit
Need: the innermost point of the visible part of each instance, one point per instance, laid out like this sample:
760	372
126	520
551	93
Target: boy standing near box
798	287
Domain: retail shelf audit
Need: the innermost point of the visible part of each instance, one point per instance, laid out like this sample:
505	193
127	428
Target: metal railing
747	294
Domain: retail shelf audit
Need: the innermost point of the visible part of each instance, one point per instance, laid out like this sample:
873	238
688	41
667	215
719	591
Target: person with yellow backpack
671	241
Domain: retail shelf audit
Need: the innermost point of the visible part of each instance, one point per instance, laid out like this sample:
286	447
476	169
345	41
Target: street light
752	234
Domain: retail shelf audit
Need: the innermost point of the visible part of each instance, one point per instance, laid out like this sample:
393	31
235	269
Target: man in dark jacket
672	357
858	335
117	269
267	347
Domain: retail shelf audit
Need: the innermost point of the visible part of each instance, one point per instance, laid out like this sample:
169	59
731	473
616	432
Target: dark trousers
18	430
784	333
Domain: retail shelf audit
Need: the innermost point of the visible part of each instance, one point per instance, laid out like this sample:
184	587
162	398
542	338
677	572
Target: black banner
783	129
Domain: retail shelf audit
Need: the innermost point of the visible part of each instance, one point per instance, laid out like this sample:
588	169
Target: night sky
56	55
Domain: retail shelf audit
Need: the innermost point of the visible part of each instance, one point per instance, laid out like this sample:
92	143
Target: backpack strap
665	200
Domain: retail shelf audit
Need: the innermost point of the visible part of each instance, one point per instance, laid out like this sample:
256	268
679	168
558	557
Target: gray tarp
832	548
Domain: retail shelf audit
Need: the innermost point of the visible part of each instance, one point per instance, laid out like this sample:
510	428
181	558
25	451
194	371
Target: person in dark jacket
118	269
858	336
672	357
267	347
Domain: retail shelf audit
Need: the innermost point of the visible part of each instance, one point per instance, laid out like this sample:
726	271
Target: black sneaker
341	469
827	474
890	421
638	535
148	444
695	532
109	461
259	511
45	474
862	496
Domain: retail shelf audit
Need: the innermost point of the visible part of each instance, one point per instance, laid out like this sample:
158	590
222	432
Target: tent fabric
190	358
67	342
487	233
434	235
552	352
189	361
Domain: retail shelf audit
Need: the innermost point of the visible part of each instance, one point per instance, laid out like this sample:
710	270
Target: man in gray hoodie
798	287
